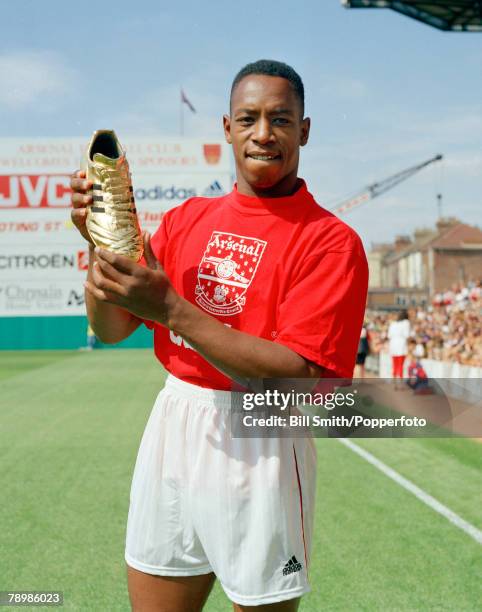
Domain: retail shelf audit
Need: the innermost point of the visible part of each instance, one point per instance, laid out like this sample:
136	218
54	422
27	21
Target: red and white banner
40	247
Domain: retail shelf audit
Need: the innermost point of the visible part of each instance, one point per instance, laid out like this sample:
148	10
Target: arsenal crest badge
226	271
212	153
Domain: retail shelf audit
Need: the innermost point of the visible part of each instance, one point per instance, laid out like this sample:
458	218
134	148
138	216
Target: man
261	283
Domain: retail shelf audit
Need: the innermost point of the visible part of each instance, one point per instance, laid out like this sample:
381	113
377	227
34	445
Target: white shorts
202	501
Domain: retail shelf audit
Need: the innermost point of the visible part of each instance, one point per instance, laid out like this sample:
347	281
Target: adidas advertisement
178	194
153	194
164	193
214	190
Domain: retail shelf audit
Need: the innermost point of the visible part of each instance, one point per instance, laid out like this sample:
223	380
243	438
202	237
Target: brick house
412	269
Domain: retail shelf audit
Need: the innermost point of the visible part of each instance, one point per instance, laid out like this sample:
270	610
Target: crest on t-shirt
226	271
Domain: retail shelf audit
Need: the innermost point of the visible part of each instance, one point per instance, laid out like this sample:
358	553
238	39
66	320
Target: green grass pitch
70	425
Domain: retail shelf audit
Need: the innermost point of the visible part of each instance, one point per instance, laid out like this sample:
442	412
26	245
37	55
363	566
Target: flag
186	101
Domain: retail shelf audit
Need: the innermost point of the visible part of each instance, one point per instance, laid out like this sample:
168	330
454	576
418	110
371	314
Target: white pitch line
454	518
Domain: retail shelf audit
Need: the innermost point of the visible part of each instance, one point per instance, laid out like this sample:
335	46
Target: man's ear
305	131
227	128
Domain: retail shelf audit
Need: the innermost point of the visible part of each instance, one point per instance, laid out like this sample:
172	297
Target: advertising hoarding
41	251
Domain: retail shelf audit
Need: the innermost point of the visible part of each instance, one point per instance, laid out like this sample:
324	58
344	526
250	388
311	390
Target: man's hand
144	291
81	198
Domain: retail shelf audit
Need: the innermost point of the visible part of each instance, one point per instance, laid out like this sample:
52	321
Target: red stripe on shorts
301	506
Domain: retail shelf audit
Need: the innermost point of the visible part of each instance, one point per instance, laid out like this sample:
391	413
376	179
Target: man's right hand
81	198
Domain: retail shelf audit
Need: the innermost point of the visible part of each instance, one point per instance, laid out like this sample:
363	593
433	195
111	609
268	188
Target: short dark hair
276	69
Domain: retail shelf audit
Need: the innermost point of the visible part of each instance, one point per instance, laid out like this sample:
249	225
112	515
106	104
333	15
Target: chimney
423	233
402	242
446	223
381	247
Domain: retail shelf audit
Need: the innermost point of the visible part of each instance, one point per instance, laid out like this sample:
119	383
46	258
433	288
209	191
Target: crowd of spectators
448	330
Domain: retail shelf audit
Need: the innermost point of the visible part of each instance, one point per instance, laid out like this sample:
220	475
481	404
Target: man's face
266	129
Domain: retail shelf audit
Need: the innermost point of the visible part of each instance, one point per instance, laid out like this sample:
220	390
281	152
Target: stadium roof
456	15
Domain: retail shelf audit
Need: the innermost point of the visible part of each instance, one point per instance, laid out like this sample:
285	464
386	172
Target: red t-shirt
283	269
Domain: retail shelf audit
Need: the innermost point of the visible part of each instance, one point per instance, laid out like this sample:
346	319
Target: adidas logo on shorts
292	566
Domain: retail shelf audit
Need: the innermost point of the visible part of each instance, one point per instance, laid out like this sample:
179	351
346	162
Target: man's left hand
144	291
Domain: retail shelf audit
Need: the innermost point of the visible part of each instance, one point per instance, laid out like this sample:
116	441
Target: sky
384	92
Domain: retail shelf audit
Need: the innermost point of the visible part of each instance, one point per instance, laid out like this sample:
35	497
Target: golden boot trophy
112	220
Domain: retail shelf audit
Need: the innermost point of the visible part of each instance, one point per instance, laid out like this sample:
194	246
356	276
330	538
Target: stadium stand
455	15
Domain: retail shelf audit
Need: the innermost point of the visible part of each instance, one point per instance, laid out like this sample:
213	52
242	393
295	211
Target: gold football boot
112	219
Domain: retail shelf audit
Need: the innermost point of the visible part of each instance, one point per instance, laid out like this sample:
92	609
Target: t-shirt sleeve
158	245
322	313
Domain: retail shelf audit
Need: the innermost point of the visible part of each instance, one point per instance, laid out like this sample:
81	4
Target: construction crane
376	189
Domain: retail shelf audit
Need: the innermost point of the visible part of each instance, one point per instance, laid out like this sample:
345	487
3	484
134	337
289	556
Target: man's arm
110	323
239	355
148	294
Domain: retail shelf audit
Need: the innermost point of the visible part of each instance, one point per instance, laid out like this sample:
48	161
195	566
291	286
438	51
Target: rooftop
451	233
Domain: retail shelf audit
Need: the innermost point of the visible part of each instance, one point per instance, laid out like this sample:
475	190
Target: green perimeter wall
30	333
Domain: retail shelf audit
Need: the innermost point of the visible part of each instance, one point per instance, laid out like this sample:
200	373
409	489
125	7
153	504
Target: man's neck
286	187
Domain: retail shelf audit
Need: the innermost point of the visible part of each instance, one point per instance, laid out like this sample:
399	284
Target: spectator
449	330
398	335
417	377
363	351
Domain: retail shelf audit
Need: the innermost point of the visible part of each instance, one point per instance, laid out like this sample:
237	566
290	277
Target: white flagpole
181	113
